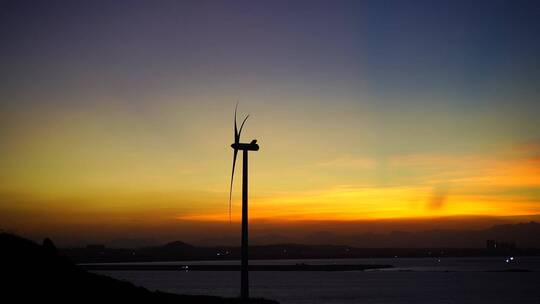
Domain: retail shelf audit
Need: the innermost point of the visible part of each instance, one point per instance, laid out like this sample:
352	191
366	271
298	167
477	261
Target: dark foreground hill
37	273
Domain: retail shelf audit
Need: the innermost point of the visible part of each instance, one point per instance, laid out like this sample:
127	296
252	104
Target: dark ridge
516	240
178	245
33	272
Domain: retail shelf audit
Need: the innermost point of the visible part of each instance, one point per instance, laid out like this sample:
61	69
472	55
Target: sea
412	280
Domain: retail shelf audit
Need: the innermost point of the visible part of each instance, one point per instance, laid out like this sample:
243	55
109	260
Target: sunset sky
116	117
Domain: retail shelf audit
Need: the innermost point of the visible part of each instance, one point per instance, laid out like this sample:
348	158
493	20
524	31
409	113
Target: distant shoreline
295	267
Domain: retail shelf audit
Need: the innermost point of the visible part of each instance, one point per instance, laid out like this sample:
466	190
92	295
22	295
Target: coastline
295	267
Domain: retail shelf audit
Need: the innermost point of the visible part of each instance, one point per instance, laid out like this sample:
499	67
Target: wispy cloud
438	198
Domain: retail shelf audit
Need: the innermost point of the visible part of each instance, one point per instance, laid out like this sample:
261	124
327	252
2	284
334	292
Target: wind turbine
252	146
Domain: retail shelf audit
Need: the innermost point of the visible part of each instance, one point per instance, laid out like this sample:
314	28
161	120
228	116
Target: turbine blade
232	179
242	126
236	134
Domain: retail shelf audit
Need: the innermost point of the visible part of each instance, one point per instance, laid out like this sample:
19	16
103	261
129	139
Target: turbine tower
252	146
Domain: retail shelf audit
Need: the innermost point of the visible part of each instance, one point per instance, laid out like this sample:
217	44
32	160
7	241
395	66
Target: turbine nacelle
252	146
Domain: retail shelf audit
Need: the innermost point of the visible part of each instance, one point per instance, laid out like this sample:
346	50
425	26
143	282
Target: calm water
414	280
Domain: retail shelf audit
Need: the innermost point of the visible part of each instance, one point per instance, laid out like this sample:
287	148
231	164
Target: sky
116	117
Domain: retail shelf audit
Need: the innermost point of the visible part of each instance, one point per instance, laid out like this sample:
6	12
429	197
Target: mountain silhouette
526	237
178	245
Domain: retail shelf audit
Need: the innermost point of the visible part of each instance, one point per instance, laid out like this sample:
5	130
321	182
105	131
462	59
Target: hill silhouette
33	272
525	236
